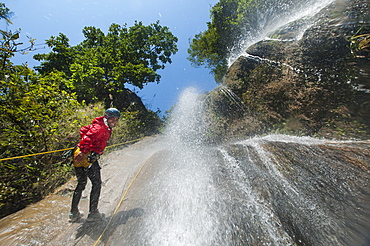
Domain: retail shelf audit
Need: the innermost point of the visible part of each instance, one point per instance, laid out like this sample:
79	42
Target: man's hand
79	157
93	157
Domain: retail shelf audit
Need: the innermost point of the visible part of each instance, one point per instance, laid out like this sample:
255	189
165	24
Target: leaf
15	36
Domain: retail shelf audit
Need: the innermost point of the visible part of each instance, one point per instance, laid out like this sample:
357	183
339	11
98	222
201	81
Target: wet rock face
318	193
320	60
325	45
240	69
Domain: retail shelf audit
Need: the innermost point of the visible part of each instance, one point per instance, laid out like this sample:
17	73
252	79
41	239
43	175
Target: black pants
82	173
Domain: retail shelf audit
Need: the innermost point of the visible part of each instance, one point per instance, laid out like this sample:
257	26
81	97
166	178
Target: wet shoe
94	217
75	216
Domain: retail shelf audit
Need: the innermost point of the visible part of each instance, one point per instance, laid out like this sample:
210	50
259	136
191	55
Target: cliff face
312	83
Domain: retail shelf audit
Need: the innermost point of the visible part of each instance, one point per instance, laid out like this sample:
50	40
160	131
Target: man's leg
82	180
95	178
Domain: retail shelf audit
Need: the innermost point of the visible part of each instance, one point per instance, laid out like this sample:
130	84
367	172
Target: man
92	144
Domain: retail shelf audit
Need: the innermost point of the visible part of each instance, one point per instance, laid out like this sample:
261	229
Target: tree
61	57
33	110
102	64
211	48
5	13
9	44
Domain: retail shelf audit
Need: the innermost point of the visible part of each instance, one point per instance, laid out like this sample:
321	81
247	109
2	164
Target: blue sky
41	19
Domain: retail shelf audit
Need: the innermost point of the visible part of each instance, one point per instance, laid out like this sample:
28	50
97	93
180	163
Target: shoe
75	216
94	217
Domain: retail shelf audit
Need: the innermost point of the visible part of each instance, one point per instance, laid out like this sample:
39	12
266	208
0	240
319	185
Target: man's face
112	122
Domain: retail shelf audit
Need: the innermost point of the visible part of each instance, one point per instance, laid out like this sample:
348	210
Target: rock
325	80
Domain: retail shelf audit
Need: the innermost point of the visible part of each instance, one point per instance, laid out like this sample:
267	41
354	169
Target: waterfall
272	190
267	190
188	114
182	212
297	190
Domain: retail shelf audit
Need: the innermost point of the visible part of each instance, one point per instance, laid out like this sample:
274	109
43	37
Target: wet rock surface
275	190
306	71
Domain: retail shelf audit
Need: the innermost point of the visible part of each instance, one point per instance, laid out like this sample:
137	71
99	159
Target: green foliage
30	105
5	13
128	128
212	47
9	44
102	64
41	111
61	57
32	109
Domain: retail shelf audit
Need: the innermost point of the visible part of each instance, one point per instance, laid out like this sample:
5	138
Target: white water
271	190
183	213
276	16
240	194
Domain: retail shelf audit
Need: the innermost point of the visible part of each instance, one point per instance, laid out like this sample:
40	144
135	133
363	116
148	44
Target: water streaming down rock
274	190
299	190
183	212
301	83
274	16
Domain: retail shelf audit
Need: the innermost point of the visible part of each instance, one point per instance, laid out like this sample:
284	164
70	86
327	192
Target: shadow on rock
107	226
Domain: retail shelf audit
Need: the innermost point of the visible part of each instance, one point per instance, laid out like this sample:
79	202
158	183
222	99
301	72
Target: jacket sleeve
88	142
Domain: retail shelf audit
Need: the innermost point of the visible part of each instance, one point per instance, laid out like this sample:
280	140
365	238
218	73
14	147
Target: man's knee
81	185
96	182
94	175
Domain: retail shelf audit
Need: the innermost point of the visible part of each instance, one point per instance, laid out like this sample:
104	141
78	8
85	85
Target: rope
120	202
110	146
42	153
53	151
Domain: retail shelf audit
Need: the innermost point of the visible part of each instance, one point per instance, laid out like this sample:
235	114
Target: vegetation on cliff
316	84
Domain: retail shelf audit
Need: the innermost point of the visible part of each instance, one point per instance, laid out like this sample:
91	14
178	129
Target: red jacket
96	138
